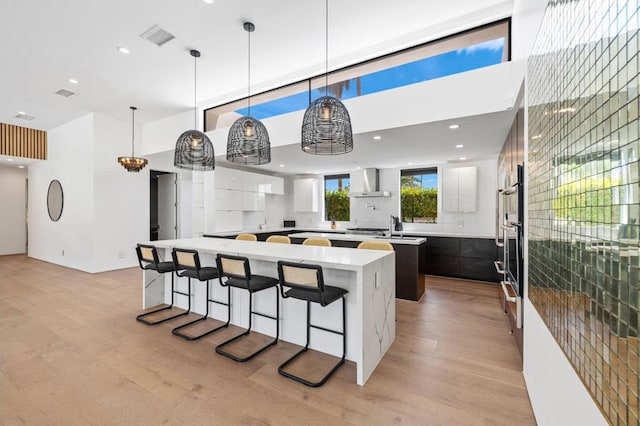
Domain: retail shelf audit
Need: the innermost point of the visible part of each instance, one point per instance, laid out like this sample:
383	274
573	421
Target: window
336	198
477	48
419	195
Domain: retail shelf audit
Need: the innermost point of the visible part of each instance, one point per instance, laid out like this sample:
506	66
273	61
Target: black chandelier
133	163
194	150
326	127
248	140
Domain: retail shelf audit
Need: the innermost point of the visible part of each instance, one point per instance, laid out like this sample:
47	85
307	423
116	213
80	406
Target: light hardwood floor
71	352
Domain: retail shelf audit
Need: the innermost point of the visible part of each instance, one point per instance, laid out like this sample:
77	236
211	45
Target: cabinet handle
499	267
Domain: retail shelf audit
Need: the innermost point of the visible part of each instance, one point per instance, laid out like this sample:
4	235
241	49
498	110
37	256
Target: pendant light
194	150
133	163
326	127
248	140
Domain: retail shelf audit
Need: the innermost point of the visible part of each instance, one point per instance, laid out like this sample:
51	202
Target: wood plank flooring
72	353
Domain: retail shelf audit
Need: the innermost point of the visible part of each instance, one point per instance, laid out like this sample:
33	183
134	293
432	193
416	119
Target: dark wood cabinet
470	258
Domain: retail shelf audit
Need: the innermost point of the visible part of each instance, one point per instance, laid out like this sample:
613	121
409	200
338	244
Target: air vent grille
25	117
66	93
157	35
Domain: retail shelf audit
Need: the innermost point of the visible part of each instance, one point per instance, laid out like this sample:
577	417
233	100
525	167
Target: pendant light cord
326	48
133	132
195	93
249	76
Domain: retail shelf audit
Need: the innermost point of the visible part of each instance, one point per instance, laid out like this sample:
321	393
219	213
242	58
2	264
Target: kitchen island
368	275
410	258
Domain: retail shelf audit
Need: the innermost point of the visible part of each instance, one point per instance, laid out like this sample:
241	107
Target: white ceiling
412	146
47	42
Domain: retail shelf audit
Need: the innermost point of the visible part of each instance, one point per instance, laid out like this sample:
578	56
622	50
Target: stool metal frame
187	263
306	282
149	260
238	273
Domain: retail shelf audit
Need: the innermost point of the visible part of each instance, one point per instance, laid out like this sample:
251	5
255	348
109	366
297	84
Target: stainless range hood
369	187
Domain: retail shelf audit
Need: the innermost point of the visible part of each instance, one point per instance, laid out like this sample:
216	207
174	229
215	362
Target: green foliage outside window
418	205
337	204
588	200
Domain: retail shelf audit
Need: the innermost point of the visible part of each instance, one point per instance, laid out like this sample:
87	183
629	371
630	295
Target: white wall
121	198
161	135
375	212
106	208
69	241
557	395
13	195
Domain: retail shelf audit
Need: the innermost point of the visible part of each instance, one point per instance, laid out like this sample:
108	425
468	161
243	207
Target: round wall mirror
55	200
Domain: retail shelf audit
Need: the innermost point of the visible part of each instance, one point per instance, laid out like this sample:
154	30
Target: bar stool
323	242
246	237
238	273
282	239
149	260
306	283
375	245
187	264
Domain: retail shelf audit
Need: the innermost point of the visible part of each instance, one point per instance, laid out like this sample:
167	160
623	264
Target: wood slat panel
17	141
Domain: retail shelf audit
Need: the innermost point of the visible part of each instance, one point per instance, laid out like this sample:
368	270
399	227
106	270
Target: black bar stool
238	273
149	260
306	282
187	264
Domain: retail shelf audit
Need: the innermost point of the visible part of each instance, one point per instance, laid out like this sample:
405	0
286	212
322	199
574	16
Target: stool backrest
317	242
282	239
233	266
247	237
186	259
301	276
376	245
147	256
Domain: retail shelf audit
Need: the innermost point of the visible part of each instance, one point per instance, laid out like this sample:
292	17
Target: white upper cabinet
305	195
228	178
272	185
237	190
459	189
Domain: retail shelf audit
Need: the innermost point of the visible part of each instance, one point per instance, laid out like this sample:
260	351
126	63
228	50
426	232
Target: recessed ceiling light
208	1
123	50
21	167
9	159
460	146
454	126
21	112
377	137
463	158
358	168
281	165
411	164
73	81
308	171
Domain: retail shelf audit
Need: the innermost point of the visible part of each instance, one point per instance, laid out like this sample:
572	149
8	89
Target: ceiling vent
157	35
25	117
66	93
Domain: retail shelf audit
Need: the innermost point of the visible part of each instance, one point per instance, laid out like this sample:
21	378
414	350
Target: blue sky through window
332	184
456	61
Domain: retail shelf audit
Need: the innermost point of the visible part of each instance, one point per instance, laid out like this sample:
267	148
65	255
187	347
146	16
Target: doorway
163	205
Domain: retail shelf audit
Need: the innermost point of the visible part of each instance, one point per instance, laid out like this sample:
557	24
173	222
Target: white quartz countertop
359	237
267	230
330	257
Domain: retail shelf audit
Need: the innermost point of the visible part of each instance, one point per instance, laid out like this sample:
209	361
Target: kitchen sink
396	237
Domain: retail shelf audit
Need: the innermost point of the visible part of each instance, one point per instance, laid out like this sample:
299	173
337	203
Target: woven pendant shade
248	139
248	142
326	128
194	151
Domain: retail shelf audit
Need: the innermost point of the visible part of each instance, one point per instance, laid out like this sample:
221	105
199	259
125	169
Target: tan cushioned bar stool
282	239
375	245
323	242
247	237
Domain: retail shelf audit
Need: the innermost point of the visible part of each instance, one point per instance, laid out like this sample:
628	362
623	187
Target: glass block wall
584	201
